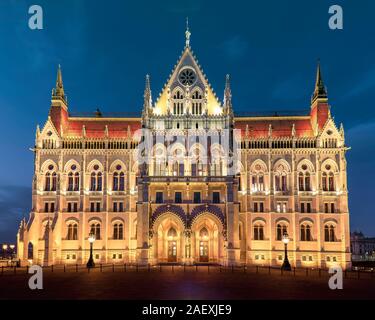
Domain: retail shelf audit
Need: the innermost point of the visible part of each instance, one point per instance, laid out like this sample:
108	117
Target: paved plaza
116	282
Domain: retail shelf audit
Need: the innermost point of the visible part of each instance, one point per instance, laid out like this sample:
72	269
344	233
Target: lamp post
91	263
5	247
12	246
286	265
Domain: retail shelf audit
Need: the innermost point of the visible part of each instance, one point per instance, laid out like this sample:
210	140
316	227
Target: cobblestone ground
201	283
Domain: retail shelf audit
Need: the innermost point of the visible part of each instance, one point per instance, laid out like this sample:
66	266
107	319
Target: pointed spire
58	91
342	132
147	94
227	94
320	90
187	33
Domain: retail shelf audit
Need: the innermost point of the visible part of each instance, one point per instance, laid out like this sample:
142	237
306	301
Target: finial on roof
320	90
147	94
58	91
227	94
187	33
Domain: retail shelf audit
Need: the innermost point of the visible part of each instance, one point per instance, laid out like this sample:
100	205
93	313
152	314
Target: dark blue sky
270	48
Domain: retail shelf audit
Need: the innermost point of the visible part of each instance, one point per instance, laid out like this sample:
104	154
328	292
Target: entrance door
172	251
203	251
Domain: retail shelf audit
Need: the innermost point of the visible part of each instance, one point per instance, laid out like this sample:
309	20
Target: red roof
95	127
281	127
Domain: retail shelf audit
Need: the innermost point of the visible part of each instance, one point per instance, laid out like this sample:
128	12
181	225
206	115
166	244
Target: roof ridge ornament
187	34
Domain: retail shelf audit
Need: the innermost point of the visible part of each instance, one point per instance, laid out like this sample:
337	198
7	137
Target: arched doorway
207	239
168	241
172	244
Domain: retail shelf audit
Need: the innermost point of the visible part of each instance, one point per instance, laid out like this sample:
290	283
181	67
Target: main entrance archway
207	239
168	239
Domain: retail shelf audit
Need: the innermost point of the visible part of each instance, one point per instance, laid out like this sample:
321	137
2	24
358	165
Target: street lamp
286	265
12	246
5	247
91	263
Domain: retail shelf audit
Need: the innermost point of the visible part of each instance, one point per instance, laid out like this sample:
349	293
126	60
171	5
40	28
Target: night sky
106	48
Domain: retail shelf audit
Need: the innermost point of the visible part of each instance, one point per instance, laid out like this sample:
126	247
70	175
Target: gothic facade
189	182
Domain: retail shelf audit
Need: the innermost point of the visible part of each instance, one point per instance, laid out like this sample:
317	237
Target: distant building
363	248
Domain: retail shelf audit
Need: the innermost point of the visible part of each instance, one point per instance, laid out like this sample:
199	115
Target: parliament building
188	181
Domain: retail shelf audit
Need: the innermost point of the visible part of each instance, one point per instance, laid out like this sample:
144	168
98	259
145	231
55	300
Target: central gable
187	77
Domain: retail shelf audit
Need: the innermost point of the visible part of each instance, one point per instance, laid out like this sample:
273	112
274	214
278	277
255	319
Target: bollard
345	273
320	272
257	269
113	267
125	267
294	271
269	269
51	268
27	269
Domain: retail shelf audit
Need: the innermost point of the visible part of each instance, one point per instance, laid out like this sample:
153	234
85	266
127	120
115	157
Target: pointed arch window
328	179
96	183
196	105
73	181
50	183
178	104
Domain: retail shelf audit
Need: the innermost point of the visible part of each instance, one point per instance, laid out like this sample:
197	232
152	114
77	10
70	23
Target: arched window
72	232
281	229
96	179
95	229
118	179
172	233
50	179
329	233
30	251
328	178
73	179
118	231
178	103
257	178
306	232
203	233
258	232
196	104
281	177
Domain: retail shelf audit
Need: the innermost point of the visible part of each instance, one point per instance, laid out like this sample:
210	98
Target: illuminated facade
185	204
